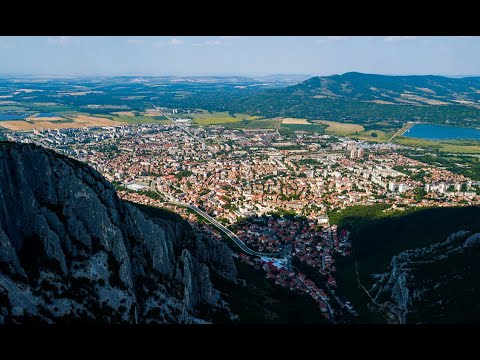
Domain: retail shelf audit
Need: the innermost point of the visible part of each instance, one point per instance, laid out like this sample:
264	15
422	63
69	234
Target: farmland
76	121
214	118
295	121
337	128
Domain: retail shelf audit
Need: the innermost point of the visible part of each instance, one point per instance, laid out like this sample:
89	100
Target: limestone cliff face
436	283
70	249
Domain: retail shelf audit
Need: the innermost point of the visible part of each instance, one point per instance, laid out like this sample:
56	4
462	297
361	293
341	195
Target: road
340	302
225	230
330	311
278	127
182	127
404	128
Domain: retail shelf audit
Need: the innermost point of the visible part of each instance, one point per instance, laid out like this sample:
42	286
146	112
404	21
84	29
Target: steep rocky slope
432	284
70	249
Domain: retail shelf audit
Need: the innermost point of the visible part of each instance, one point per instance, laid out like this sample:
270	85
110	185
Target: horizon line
253	74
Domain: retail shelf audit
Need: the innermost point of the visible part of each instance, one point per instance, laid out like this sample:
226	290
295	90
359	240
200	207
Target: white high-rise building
391	186
441	188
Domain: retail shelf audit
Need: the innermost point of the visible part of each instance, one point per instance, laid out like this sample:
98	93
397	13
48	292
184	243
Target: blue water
441	132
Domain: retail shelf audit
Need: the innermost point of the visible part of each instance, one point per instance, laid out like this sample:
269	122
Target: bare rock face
433	284
70	249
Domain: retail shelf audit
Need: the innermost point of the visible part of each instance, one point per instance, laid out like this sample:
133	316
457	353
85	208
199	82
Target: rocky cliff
432	284
70	250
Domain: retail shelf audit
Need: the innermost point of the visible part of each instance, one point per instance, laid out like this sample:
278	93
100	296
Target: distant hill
369	98
399	90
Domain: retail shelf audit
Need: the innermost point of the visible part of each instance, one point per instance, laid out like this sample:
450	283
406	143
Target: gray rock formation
435	283
70	249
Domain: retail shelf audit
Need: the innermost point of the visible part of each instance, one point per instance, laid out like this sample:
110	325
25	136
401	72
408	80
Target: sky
239	55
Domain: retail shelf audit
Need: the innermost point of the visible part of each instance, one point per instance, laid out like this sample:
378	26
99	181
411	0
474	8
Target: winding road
231	235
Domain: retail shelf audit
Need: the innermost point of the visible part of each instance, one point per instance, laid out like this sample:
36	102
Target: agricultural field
295	121
124	113
215	118
337	128
76	121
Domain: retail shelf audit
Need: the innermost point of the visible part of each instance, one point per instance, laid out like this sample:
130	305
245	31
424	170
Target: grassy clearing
382	136
454	146
214	118
338	128
254	124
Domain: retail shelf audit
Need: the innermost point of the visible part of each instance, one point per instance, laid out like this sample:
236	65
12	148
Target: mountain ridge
60	263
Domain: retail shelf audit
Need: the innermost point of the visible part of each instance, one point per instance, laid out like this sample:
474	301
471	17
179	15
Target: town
271	191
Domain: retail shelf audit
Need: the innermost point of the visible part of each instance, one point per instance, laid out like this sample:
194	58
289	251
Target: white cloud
209	43
230	37
171	42
58	40
136	41
337	38
325	39
398	38
175	41
213	42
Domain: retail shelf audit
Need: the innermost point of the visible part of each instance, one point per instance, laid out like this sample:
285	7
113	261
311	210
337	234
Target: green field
254	124
338	128
382	136
454	146
216	118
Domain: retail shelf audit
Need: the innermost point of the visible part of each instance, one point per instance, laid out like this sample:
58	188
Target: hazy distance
238	55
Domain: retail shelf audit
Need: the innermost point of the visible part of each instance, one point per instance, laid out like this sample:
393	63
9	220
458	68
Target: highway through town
175	123
231	235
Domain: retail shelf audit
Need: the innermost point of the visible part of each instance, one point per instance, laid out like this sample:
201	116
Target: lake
441	132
